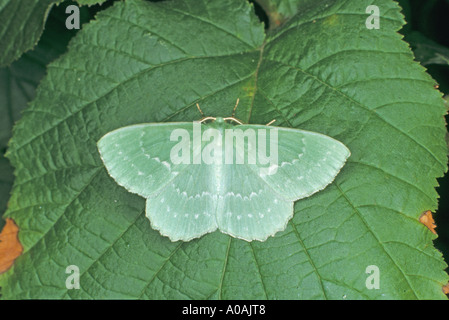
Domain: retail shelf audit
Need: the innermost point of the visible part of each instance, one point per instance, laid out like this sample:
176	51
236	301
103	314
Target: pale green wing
256	200
186	207
248	207
138	156
181	202
247	201
307	161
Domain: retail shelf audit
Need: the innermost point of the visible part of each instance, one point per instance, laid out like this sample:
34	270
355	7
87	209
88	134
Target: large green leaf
322	71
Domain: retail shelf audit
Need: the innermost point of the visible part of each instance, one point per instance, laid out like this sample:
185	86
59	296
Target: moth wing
307	161
138	156
248	207
185	208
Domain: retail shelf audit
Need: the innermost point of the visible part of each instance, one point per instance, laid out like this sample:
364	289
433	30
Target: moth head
220	120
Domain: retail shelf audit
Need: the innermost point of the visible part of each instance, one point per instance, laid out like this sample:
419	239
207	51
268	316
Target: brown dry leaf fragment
427	219
10	247
446	289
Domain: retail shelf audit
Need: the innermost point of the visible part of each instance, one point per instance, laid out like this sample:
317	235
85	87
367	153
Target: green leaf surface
322	71
18	83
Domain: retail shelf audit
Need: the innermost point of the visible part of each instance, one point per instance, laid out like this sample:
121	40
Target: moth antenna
199	109
207	119
235	107
233	119
271	122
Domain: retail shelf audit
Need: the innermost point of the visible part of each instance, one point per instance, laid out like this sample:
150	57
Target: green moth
218	173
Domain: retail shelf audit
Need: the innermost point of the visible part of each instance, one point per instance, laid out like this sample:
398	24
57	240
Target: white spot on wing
165	163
